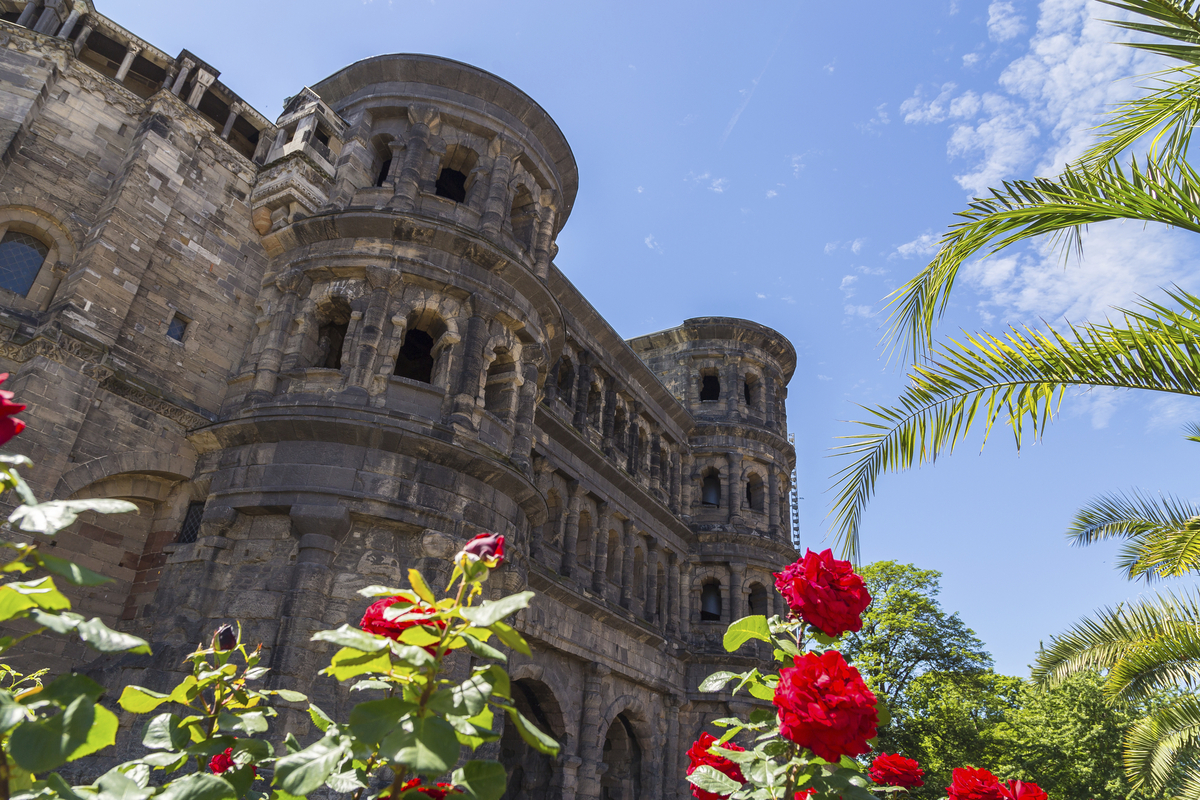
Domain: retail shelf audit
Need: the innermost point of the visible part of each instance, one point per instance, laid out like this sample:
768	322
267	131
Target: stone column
397	162
570	777
466	400
48	22
571	537
544	239
362	352
526	406
495	206
737	590
735	490
608	417
204	79
591	738
27	13
772	502
81	39
235	110
65	31
656	464
685	598
130	54
732	384
583	388
650	609
687	482
600	549
423	120
543	470
627	566
267	373
672	772
181	78
673	606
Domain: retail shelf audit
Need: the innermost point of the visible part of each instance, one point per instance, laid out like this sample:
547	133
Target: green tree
1022	377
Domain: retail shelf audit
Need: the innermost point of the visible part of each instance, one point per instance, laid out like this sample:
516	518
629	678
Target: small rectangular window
191	523
177	327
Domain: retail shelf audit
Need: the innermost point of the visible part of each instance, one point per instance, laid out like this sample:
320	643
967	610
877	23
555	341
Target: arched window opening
331	334
710	490
710	602
498	389
622	776
191	523
21	259
750	390
614	556
758	600
452	185
385	169
566	382
530	774
754	493
415	359
710	388
639	572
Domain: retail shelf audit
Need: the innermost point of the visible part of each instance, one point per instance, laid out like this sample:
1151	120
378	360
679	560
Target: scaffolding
794	499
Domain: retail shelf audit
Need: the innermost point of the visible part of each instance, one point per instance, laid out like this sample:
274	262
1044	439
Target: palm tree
1023	375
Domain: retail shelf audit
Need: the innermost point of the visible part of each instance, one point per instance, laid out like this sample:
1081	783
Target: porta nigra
319	351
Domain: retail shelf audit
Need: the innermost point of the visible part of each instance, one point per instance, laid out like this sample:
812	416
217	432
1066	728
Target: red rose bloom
969	783
488	548
825	592
222	762
805	794
374	621
1019	790
9	427
699	756
437	791
825	706
896	770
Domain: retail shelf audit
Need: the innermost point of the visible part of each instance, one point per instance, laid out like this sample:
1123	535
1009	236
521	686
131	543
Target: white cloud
772	193
788	299
798	165
971	59
856	245
858	311
924	245
847	285
876	122
831	246
829	67
653	244
824	378
718	185
872	270
760	295
640	190
1004	22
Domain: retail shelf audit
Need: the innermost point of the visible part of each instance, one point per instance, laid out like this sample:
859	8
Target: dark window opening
498	387
619	429
10	16
21	259
710	388
415	359
177	328
710	602
751	392
452	185
322	136
593	407
191	523
566	383
384	171
710	494
331	337
758	600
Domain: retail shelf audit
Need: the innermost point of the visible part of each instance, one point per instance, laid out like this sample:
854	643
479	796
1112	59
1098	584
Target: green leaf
289	695
141	701
710	780
492	611
349	662
52	516
115	786
481	780
21	595
165	732
160	760
482	650
373	720
303	772
716	682
420	587
762	692
508	634
12	713
532	735
65	689
248	722
199	786
80	576
99	636
319	717
746	629
425	745
349	636
43	745
347	781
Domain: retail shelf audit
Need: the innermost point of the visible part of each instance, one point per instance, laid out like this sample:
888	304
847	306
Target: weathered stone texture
341	344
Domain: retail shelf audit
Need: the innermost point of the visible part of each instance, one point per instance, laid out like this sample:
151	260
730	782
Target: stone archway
621	778
532	775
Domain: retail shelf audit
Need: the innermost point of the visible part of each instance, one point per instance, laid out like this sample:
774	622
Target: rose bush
896	770
699	755
825	592
824	705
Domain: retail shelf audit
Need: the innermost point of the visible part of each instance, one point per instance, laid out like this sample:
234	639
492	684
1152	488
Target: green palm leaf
1169	112
1164	191
1021	378
1163	745
1163	533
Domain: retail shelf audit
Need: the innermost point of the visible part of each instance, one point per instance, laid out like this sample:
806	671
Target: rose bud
225	638
486	547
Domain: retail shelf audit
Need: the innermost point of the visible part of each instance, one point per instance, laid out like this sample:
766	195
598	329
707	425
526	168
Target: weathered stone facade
321	351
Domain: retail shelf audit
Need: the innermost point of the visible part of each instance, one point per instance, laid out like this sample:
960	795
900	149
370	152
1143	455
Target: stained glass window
21	258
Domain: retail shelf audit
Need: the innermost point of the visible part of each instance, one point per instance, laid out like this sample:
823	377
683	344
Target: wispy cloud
747	94
798	165
847	285
858	311
1004	22
706	179
653	244
876	122
719	185
828	68
924	245
772	193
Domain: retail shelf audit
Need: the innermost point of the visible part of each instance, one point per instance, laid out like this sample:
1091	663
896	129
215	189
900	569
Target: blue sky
791	163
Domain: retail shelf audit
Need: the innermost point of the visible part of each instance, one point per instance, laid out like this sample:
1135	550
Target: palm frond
1163	533
1163	745
1164	191
1169	111
1147	646
1180	23
1020	377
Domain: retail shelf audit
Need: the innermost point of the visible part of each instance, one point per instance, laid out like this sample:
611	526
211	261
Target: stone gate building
319	351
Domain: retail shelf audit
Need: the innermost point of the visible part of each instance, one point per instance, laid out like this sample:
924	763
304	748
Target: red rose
9	427
825	592
805	794
222	762
896	770
374	621
699	756
969	783
488	548
1018	790
825	706
437	792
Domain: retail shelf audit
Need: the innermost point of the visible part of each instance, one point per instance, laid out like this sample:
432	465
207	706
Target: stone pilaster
737	590
650	608
627	566
600	550
571	538
591	738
